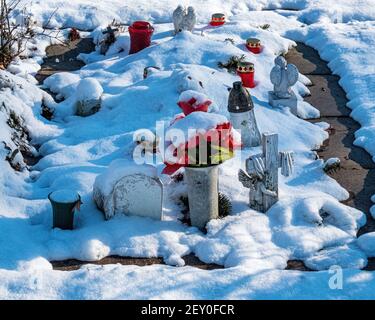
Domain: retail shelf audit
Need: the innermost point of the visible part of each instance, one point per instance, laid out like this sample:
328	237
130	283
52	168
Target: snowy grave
262	171
129	189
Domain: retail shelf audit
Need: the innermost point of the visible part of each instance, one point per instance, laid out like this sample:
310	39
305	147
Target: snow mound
190	94
64	196
200	121
89	89
308	225
344	257
367	243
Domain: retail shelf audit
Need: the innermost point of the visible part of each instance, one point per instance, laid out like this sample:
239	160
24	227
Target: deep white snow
308	223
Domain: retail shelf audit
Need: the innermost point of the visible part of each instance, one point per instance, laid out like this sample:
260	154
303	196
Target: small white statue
184	19
283	77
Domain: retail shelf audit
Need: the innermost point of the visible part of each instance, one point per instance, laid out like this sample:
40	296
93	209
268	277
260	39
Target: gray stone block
291	103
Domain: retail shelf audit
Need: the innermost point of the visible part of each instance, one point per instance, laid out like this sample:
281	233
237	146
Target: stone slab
327	96
307	60
290	103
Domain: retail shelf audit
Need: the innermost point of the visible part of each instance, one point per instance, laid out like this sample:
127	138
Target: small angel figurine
283	77
184	19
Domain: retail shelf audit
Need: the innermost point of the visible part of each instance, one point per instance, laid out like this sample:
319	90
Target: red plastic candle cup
218	19
140	36
254	45
246	71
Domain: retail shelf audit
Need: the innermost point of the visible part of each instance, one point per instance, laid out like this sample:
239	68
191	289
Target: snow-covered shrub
16	28
14	130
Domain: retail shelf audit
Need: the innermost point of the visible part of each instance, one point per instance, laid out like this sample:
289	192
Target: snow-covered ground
308	223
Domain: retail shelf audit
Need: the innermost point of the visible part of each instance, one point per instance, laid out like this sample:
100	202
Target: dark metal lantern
239	99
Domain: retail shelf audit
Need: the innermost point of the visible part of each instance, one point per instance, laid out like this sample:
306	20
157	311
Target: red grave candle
140	36
246	71
254	45
218	19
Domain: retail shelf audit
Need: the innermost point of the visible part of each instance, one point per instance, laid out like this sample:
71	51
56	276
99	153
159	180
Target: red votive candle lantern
246	71
254	45
140	36
218	19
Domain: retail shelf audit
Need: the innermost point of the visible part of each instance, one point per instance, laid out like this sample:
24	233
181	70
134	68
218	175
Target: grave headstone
125	191
89	97
139	195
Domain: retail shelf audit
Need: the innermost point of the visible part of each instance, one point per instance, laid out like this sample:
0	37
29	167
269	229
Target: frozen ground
253	247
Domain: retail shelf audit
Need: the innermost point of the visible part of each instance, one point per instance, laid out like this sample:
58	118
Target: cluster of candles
245	69
141	32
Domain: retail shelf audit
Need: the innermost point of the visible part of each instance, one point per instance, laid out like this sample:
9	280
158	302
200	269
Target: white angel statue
283	77
184	19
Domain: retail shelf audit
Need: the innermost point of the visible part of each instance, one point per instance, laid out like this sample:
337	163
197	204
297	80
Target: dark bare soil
71	265
63	57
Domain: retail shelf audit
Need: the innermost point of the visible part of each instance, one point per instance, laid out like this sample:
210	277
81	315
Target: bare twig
15	35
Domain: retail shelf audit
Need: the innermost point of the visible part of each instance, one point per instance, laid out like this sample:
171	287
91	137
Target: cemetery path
357	174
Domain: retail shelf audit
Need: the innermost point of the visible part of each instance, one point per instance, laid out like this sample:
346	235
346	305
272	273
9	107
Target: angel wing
255	166
275	75
178	15
245	179
292	74
191	17
286	163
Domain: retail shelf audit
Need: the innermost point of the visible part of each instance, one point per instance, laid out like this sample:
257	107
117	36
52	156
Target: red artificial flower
219	137
192	106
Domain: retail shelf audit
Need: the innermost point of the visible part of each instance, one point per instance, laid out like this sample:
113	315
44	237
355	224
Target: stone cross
262	171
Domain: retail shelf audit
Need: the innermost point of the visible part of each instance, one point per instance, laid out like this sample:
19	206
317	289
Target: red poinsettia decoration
208	146
193	101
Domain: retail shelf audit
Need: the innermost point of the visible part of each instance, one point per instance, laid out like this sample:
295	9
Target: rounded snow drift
89	93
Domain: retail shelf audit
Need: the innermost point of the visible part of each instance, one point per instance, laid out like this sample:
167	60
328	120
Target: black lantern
239	99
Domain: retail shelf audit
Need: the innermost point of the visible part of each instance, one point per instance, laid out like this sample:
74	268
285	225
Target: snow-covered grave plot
308	223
